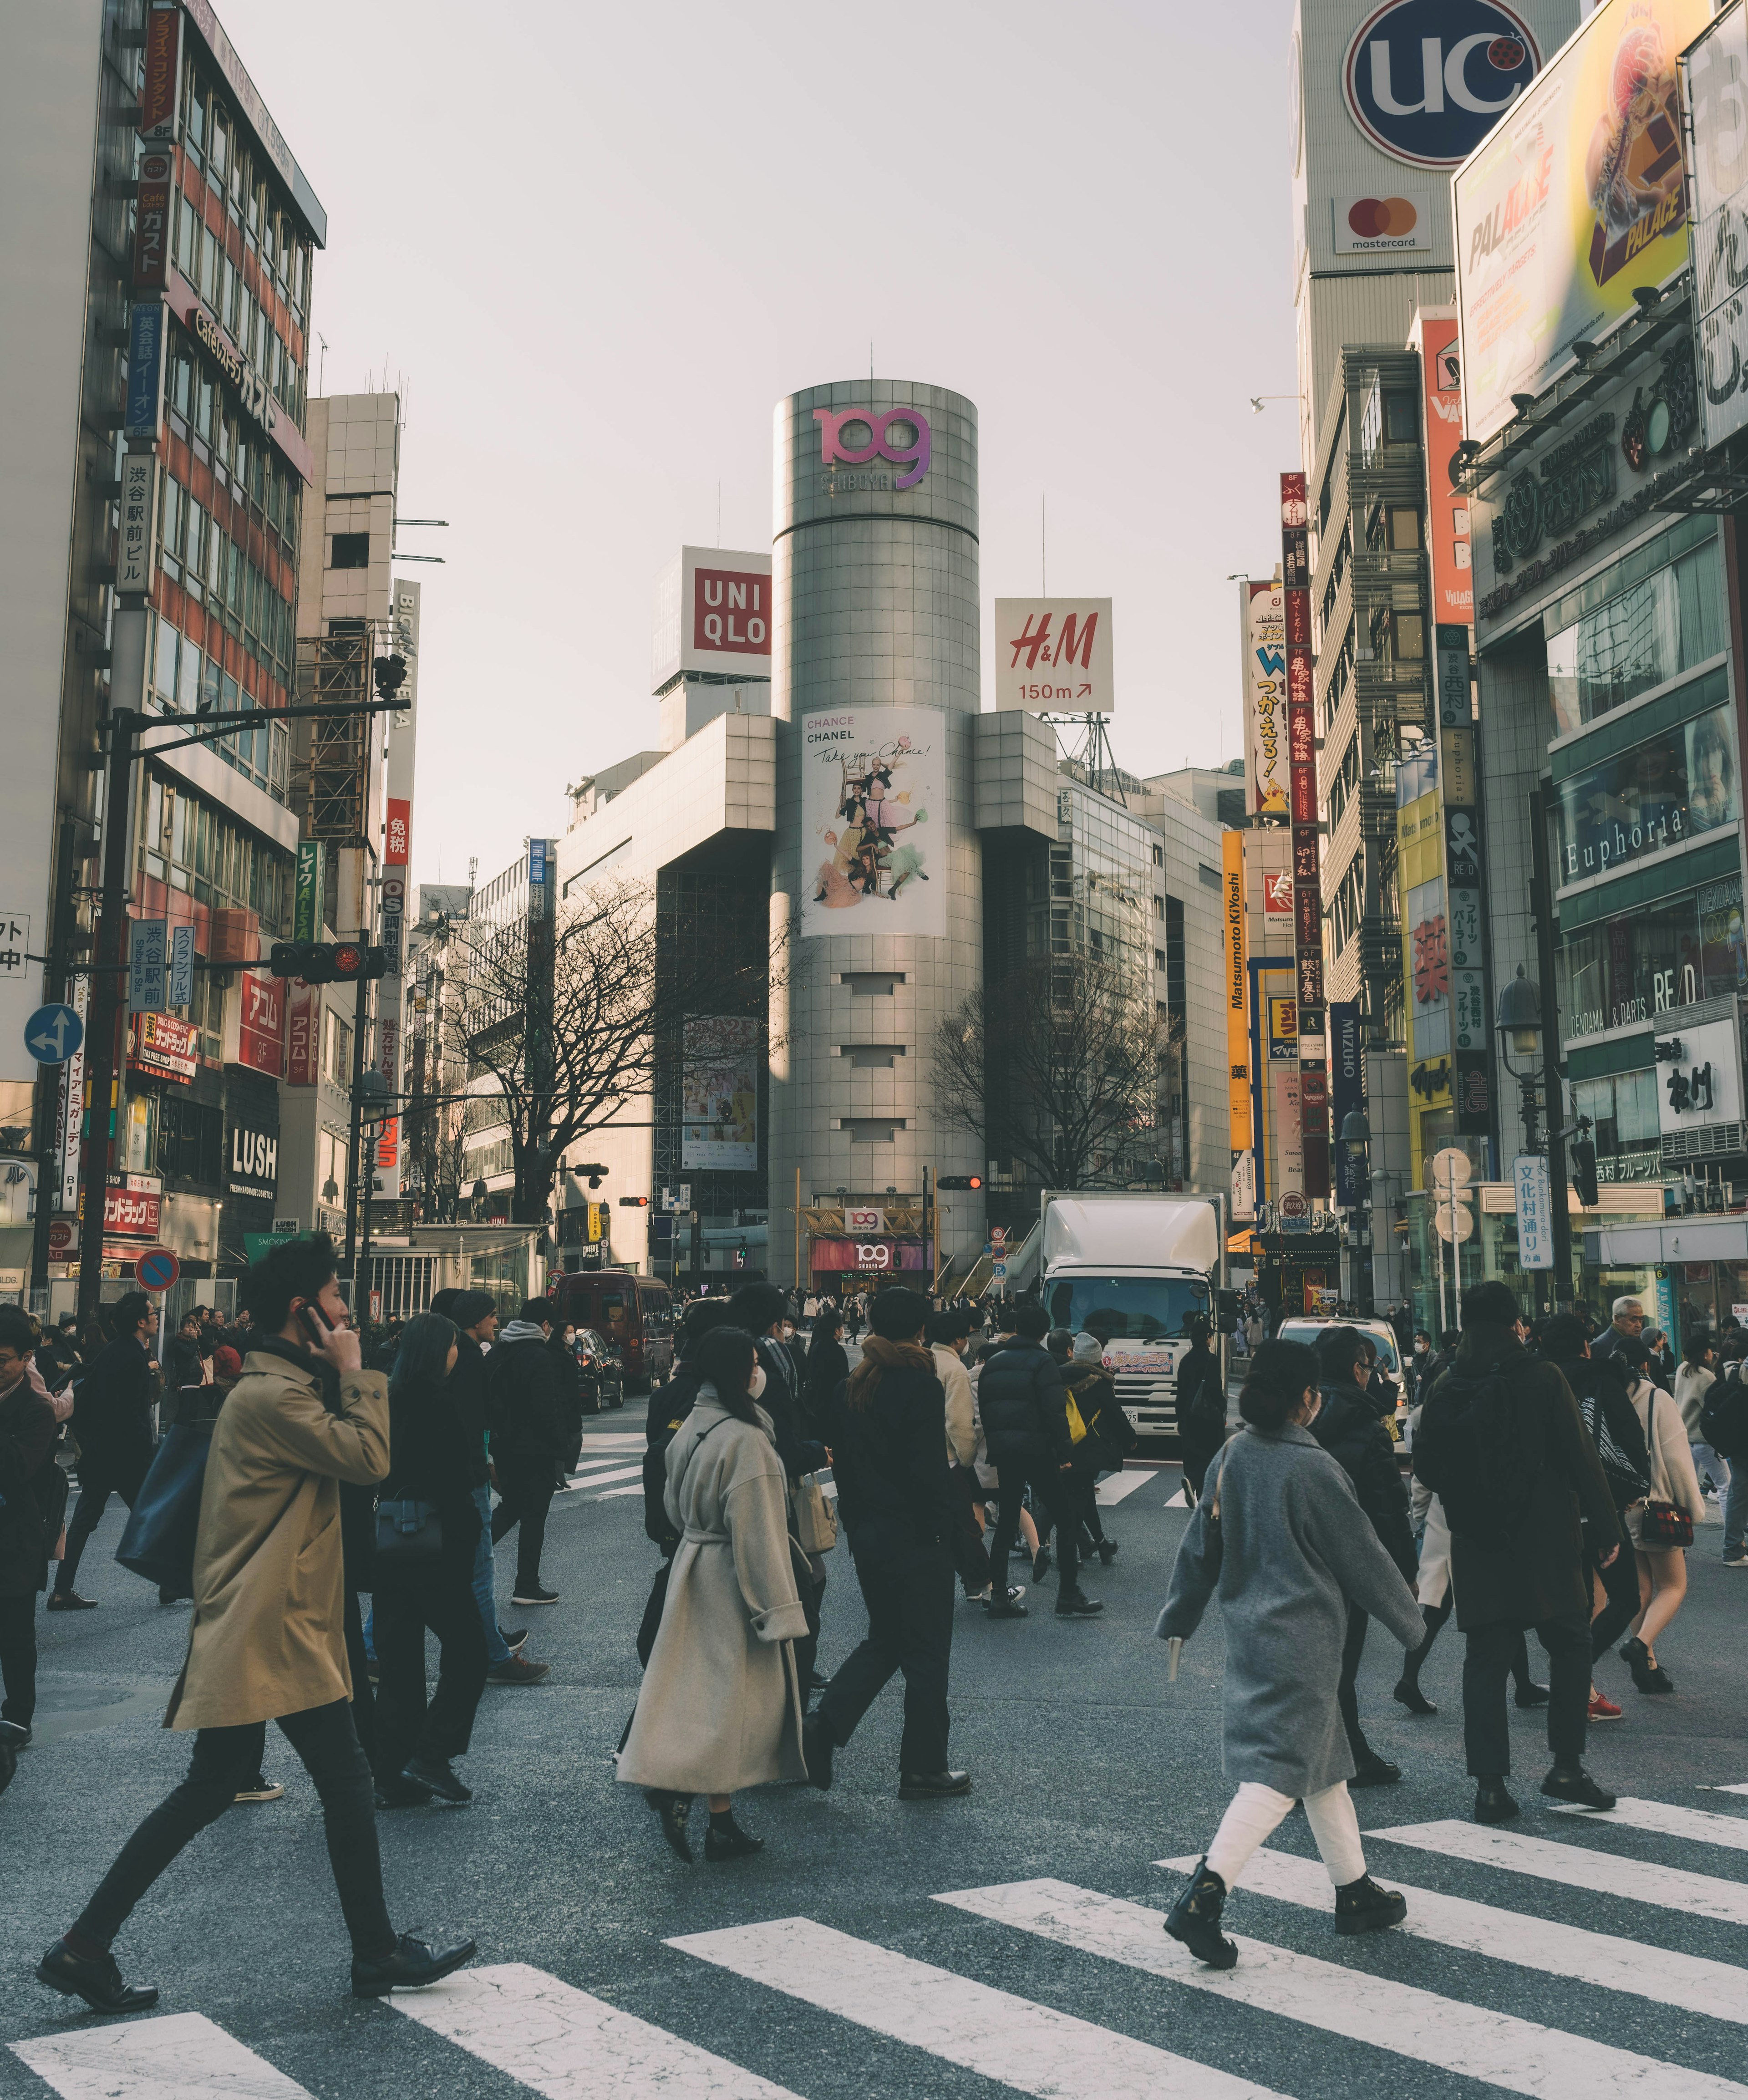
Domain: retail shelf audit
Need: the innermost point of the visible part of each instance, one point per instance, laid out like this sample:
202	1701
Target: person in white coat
1662	1568
721	1704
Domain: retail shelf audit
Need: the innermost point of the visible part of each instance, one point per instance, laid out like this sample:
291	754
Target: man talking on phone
267	1640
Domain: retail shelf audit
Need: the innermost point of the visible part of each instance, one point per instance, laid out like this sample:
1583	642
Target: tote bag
157	1540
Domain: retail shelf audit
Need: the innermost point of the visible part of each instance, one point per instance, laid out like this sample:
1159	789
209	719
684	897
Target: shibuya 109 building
839	836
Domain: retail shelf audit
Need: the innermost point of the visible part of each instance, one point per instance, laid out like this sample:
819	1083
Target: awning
1244	1242
1655	1246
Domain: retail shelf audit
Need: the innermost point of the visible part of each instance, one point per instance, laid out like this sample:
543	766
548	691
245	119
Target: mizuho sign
1426	80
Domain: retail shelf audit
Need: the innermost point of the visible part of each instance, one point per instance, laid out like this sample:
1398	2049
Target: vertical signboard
137	543
145	369
307	905
1237	1018
1447	508
1308	892
1347	1092
151	211
1262	617
71	1120
179	975
302	1019
147	941
1535	1211
161	88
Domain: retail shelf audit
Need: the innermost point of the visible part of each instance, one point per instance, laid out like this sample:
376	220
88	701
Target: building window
1401	420
330	1166
351	550
1159	958
1159	907
336	1048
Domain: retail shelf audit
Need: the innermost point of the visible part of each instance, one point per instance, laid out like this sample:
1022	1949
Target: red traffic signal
323	962
634	1202
960	1182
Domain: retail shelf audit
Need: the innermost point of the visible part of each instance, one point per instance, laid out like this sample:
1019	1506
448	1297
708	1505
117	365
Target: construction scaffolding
334	670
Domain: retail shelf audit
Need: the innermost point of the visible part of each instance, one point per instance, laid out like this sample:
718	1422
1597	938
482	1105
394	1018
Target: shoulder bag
1662	1523
815	1519
158	1539
408	1531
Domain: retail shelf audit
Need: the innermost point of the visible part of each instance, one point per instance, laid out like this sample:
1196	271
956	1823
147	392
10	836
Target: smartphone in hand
317	1324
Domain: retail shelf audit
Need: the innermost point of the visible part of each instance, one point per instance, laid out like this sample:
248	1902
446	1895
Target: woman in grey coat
1280	1535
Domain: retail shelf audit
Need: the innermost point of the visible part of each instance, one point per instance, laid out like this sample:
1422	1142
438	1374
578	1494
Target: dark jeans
1347	1697
18	1657
907	1586
404	1606
970	1556
1054	1490
1486	1665
227	1758
358	1661
98	1479
527	1488
1620	1583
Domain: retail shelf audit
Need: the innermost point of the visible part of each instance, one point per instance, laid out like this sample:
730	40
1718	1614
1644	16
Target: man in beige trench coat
267	1641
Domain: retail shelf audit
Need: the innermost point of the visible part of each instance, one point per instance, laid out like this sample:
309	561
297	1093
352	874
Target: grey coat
1291	1549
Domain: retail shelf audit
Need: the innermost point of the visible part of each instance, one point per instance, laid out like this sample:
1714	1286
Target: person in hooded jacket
1348	1428
1518	1553
1101	1449
1201	1406
528	1396
1024	1406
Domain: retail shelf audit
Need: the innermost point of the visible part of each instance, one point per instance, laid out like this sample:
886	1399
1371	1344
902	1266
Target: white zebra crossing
181	2056
1118	1487
1577	1866
564	2045
1717	1989
1705	1826
1033	2048
1519	2055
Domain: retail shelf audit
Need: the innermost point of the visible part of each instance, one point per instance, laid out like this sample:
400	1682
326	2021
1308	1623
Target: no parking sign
158	1269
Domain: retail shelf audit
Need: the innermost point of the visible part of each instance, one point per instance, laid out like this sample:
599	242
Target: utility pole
1543	906
105	1003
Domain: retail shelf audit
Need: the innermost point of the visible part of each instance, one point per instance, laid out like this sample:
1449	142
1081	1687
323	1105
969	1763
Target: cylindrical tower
877	872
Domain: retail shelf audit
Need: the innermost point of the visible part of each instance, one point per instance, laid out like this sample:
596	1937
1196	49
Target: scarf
520	1331
302	1360
879	1355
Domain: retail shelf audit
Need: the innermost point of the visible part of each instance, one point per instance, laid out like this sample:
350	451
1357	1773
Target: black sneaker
933	1786
1533	1695
97	1980
439	1777
400	1792
535	1595
1362	1906
1738	1559
514	1638
414	1962
1578	1787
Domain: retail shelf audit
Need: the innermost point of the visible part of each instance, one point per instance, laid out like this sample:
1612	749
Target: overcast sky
595	245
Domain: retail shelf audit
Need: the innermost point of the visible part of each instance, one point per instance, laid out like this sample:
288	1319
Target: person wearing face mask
720	1708
763	1310
1280	1536
1418	1358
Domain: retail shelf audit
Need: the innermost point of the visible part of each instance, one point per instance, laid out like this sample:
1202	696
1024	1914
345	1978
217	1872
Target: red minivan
634	1313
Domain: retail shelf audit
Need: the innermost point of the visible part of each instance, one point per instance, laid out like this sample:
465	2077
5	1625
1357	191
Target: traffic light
960	1182
325	962
391	673
1584	1172
592	1168
634	1202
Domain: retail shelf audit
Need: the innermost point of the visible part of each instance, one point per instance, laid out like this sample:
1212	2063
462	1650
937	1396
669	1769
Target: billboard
1715	88
713	614
719	1084
1054	652
261	1023
1448	508
873	796
1262	612
1576	200
1238	1012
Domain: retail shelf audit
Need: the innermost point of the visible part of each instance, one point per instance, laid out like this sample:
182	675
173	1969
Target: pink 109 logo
852	437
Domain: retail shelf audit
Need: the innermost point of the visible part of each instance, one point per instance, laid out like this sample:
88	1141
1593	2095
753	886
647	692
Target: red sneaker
1603	1710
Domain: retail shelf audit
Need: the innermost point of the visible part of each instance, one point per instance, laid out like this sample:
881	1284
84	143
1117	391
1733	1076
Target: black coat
781	1399
1095	1392
1541	1572
528	1398
112	1414
1361	1445
1024	1405
34	1488
470	1398
1201	1412
828	1367
429	1458
888	1457
675	1403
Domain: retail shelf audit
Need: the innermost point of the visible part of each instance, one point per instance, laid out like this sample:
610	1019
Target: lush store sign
1656	795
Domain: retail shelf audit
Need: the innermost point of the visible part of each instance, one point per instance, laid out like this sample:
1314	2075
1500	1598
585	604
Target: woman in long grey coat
721	1704
1280	1536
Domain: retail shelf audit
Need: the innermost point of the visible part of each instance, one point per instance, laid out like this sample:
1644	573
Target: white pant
1256	1812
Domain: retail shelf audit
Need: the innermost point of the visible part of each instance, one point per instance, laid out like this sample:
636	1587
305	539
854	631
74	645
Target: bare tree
1055	1067
565	1024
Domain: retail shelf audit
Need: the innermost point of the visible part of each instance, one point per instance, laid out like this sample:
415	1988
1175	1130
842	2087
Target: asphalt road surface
1008	1941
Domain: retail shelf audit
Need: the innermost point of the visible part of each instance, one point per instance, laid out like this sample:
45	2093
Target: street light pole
1356	1135
104	1006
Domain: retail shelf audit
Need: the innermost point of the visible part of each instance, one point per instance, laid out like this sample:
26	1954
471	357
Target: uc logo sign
852	437
1426	80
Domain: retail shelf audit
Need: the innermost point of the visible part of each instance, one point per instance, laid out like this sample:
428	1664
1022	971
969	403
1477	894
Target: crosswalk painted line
1181	1500
601	1479
564	2045
1689	1981
1009	2040
1738	1786
181	2057
1577	1866
1521	2056
613	1494
1702	1824
1118	1487
599	1465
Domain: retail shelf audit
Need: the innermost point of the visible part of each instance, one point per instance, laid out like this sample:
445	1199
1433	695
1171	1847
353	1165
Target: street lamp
480	1192
1521	1031
1355	1137
1519	1026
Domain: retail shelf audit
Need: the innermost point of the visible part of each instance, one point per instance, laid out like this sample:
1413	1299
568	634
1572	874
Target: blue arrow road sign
52	1034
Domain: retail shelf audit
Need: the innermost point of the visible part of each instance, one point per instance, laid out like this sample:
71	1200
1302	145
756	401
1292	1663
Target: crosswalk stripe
600	1465
1475	2041
613	1494
1009	2040
601	1479
1181	1500
1666	1820
181	2055
1738	1786
1114	1490
1718	1989
1577	1866
564	2045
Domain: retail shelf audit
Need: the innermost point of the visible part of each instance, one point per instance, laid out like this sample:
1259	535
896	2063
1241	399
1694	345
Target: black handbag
158	1539
407	1530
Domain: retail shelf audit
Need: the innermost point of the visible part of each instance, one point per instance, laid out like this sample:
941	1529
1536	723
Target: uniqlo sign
731	612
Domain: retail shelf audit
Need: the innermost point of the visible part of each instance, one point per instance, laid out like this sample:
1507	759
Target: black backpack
1724	1418
1470	1450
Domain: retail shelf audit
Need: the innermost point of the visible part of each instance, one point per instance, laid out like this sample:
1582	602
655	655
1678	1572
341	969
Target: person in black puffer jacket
431	1460
528	1397
1349	1428
1599	1387
1201	1407
1024	1406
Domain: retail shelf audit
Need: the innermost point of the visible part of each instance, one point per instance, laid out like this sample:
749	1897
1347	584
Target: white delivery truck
1133	1269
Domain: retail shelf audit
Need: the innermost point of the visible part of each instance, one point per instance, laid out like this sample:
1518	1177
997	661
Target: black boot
726	1840
1362	1906
1408	1690
1494	1802
1195	1920
673	1810
1373	1770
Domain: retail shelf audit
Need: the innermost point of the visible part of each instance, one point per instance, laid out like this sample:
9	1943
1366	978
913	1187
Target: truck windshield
1125	1308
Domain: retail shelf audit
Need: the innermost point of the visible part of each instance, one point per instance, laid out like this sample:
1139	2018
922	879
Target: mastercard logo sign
1382	219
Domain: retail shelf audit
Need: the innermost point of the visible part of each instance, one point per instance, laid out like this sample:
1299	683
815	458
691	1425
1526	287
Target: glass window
1642	637
1405	529
164	668
188	677
194	116
1401	419
1657	794
1136	1308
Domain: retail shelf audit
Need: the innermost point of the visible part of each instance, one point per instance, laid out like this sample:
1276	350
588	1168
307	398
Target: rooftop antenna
472	871
321	369
719	513
1043	549
871	360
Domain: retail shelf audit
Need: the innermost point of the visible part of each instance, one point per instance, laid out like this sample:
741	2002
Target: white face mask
758	1385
